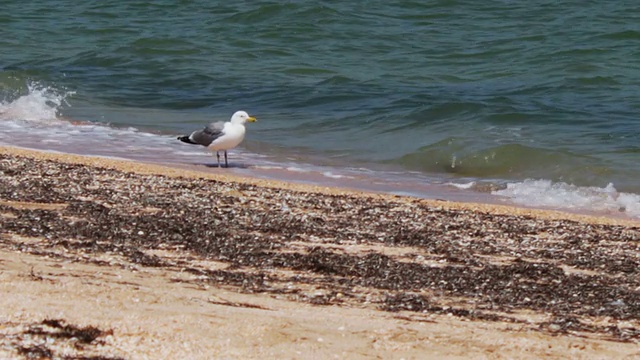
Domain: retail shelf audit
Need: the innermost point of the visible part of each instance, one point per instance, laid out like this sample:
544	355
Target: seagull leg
226	163
218	155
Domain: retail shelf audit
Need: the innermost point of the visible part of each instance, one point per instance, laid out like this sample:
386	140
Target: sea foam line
559	195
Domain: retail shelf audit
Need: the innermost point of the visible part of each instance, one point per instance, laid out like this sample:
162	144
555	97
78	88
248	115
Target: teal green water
483	90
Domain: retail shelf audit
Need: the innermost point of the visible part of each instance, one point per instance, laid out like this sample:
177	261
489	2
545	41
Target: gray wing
207	135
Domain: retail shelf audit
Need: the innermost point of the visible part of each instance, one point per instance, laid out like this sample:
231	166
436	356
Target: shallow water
536	101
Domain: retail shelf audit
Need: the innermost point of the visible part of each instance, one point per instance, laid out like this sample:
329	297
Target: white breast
233	136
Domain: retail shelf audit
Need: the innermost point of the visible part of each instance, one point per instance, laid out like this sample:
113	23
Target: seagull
220	135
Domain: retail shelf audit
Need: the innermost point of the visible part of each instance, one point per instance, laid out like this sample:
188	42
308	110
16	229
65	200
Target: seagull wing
207	135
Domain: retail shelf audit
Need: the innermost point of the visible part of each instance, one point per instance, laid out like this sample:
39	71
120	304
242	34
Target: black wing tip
186	139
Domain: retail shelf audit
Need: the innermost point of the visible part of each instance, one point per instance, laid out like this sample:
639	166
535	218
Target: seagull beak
251	119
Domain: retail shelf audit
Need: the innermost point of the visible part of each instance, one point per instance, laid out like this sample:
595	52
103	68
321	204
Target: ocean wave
566	196
40	103
467	158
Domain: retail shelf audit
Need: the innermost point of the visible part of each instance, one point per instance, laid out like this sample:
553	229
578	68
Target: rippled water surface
539	98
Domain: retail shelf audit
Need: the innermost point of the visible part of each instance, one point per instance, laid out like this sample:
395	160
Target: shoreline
186	170
161	261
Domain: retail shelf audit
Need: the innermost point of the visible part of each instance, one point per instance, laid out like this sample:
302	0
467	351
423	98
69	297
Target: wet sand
115	259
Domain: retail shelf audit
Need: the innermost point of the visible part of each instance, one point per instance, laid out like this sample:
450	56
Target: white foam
297	169
545	193
192	153
33	120
464	186
40	103
333	175
268	167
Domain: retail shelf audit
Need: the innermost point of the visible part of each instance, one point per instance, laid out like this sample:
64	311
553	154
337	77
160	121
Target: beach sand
113	259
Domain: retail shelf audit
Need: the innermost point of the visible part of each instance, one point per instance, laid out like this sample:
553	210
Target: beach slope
113	259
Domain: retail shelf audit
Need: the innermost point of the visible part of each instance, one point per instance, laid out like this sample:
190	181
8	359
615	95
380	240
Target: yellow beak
251	119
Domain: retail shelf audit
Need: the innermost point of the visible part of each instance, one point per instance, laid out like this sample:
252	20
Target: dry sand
105	259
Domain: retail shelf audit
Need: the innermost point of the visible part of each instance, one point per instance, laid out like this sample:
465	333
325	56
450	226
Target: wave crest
507	161
40	103
561	195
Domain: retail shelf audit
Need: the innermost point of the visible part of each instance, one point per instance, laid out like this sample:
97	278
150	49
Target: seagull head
241	117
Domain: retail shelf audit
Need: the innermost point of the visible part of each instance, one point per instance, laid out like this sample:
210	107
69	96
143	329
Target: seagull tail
186	139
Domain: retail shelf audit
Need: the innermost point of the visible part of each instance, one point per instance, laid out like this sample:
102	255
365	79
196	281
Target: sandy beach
108	259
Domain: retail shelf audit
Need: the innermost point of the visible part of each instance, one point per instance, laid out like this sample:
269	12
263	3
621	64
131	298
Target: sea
530	103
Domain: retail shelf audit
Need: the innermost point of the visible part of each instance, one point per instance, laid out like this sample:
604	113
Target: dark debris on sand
56	339
396	255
